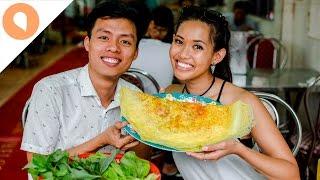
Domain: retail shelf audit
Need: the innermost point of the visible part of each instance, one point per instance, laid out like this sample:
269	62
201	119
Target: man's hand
112	136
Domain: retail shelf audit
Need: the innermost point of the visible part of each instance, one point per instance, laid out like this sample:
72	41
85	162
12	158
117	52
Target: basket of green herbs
58	165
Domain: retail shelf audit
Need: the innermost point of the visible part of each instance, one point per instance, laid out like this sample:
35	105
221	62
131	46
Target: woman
200	42
161	25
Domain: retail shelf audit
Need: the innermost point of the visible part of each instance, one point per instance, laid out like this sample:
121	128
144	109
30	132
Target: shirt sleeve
41	130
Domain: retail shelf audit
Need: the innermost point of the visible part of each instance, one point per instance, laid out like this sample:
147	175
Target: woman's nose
184	52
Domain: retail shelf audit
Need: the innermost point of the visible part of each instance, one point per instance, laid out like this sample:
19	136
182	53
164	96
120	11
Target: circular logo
20	21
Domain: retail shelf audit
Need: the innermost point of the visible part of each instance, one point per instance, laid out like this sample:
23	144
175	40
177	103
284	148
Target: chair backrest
134	79
25	112
252	40
150	85
279	101
268	53
312	102
272	110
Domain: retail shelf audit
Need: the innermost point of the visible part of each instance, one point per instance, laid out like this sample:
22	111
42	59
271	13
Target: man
239	20
78	110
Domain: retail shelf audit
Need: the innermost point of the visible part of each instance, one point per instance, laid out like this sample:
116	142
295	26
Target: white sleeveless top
227	168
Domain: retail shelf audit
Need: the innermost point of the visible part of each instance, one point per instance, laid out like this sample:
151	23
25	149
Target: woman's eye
178	41
198	47
103	37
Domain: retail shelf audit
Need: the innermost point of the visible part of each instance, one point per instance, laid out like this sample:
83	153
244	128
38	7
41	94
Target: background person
153	54
239	20
161	25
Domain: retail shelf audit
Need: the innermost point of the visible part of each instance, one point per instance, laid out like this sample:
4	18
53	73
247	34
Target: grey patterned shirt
65	111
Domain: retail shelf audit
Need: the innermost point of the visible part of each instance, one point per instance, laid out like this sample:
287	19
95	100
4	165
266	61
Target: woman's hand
113	136
217	151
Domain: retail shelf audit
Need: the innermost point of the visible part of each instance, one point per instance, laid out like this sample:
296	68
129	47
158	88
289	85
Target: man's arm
111	136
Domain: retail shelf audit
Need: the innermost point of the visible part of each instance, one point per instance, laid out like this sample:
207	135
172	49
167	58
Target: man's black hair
114	9
244	5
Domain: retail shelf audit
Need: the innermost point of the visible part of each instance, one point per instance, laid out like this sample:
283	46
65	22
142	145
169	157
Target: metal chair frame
136	77
272	110
147	75
278	47
315	134
274	98
25	112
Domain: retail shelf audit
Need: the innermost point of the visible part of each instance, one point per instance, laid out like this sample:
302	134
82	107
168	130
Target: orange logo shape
32	21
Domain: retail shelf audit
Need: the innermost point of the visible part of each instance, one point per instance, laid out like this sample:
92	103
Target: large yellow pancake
182	125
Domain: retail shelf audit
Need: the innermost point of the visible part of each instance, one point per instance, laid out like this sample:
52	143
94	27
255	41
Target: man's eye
178	41
103	37
125	42
198	47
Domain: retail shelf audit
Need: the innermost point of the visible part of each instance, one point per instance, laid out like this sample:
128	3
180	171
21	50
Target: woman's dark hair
162	16
219	34
115	9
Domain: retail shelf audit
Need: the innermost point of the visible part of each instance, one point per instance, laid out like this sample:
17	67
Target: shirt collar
86	86
87	89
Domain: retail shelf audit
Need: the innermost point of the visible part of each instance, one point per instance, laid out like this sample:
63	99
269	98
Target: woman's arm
276	160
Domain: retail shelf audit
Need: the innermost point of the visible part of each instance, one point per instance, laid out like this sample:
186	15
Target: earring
212	67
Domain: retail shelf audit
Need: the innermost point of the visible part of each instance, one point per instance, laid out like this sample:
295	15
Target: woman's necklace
186	89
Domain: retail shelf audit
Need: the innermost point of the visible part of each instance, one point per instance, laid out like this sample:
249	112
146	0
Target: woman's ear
218	56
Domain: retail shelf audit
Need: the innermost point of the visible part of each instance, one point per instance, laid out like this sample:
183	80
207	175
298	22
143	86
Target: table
265	79
287	80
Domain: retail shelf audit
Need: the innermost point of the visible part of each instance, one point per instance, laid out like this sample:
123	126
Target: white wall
266	27
304	51
291	25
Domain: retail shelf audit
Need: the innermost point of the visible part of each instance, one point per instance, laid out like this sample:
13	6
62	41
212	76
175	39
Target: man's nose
113	46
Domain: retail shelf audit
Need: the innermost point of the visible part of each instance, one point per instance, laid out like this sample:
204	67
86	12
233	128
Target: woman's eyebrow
200	41
179	36
197	40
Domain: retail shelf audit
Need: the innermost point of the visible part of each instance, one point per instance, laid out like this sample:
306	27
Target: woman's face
191	52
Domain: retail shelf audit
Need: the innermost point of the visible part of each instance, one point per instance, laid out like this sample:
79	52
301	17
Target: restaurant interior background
294	22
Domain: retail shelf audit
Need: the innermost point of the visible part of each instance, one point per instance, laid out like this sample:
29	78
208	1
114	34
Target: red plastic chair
268	53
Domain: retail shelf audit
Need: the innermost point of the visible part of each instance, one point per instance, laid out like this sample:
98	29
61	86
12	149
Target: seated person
161	24
153	54
78	110
238	20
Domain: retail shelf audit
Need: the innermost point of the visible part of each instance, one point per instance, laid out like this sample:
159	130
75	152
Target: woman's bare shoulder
235	93
174	88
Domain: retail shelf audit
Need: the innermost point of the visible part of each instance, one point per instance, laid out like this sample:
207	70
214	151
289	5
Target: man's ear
86	43
218	56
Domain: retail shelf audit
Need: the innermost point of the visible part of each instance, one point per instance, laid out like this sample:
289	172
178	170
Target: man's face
111	47
239	16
